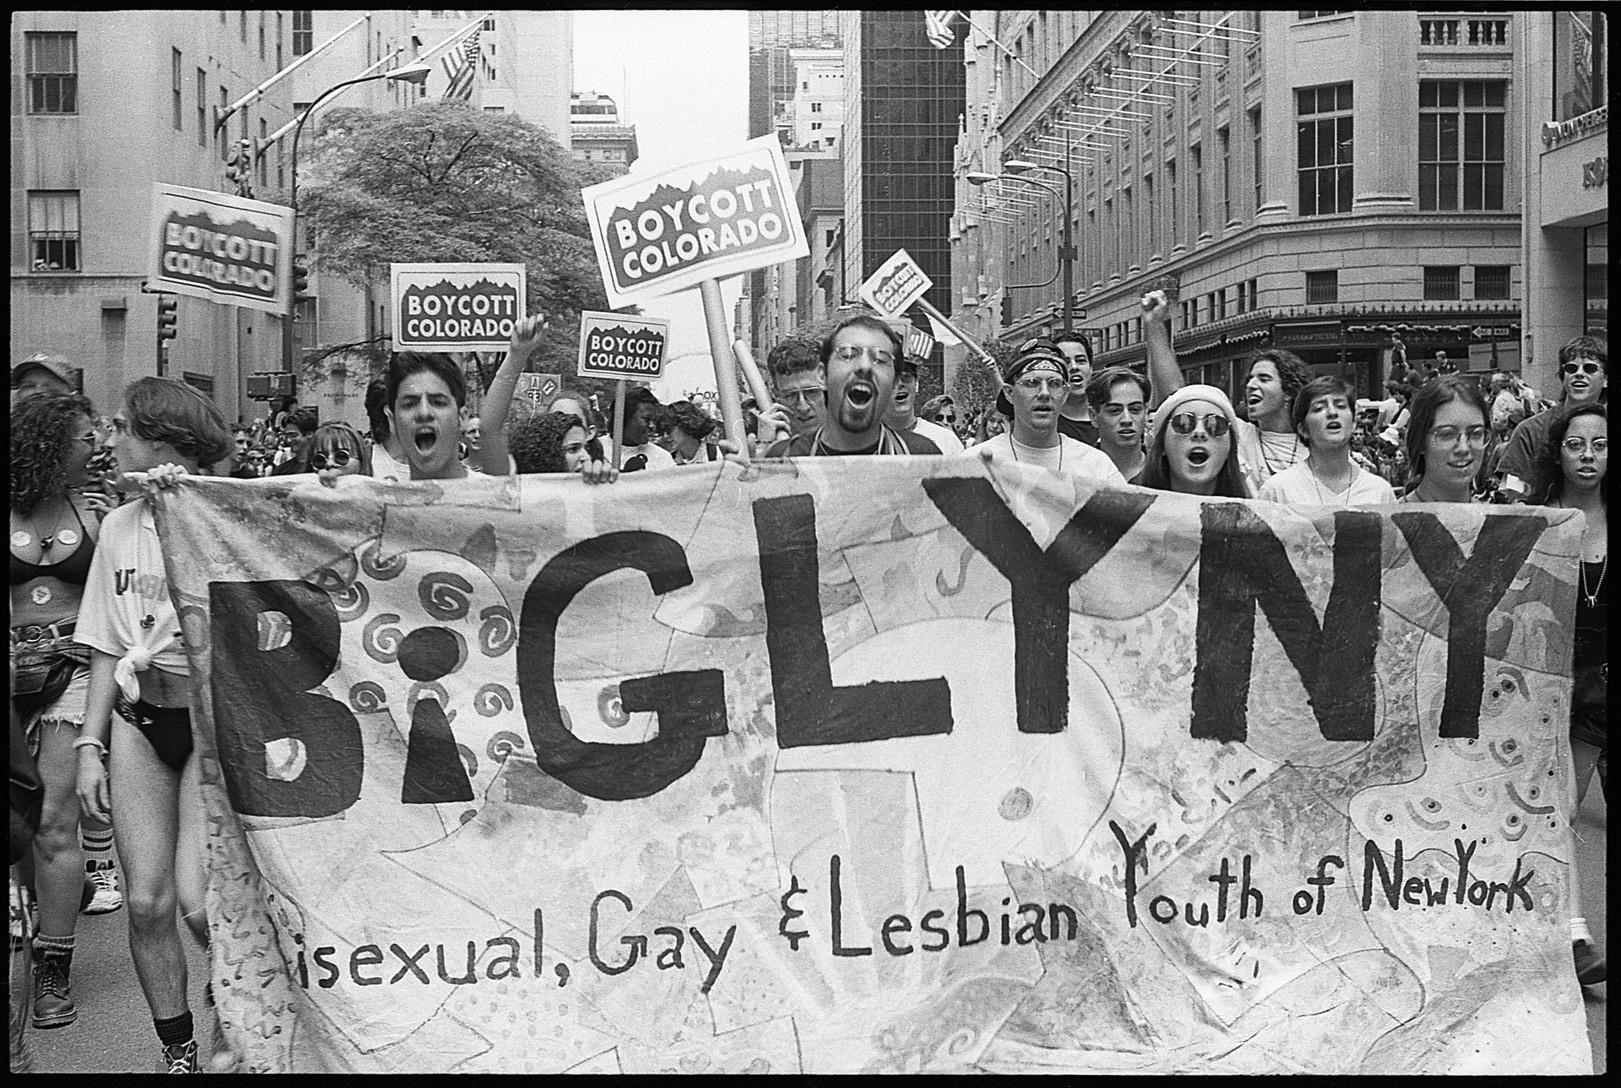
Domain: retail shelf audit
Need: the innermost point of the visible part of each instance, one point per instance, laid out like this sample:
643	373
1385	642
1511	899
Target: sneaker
53	1000
1590	966
101	879
181	1058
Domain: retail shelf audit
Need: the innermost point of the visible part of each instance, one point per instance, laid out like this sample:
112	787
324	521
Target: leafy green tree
446	182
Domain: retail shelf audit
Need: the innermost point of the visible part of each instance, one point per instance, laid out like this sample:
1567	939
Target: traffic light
301	277
1007	308
167	319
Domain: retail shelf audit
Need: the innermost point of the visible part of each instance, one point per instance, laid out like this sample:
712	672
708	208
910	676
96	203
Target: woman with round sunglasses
336	450
1267	442
1578	461
1190	445
1446	441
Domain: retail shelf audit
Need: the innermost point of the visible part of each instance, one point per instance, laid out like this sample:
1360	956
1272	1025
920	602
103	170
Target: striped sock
58	947
98	844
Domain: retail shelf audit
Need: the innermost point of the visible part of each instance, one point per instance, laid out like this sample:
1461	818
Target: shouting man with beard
860	359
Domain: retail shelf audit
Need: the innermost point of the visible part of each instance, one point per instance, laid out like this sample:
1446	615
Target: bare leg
58	858
146	827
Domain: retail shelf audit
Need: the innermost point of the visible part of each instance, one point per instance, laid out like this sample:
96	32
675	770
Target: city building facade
1564	69
104	104
1332	182
904	101
596	133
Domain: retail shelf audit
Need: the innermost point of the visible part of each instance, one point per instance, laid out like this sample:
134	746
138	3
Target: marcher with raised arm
1328	477
136	744
1035	385
1577	461
1190	445
1267	442
1446	442
497	407
859	362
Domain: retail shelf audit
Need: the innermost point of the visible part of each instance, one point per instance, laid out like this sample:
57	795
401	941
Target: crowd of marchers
100	682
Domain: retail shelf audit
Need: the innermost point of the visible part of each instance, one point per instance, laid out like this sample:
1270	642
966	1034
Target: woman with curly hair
554	442
53	536
1577	461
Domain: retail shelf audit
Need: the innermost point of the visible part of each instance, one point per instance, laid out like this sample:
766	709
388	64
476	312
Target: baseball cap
54	365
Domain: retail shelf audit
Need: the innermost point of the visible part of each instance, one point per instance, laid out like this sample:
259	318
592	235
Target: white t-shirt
1069	456
384	466
940	435
1299	486
127	584
657	456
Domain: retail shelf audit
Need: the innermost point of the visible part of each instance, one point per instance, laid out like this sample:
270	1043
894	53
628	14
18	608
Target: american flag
919	343
938	28
470	47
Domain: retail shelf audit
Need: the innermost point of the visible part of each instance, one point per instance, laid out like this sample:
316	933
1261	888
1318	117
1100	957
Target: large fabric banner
874	764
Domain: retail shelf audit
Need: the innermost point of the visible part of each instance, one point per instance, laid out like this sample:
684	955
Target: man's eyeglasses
1586	367
849	353
948	418
339	459
804	396
1447	436
1033	384
1599	446
1215	424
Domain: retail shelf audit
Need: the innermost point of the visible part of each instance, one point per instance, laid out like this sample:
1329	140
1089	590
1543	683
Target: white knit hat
1163	414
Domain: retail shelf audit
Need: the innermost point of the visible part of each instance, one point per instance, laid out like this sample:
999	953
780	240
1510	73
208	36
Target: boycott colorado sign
670	231
878	764
897	284
456	307
619	346
227	249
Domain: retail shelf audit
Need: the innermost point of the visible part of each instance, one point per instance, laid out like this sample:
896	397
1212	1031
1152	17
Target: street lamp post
1066	250
416	74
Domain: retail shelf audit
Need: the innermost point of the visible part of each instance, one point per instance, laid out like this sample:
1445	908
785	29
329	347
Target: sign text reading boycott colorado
456	307
621	346
670	231
902	765
227	249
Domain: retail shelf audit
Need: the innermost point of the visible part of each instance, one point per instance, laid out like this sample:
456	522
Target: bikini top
75	569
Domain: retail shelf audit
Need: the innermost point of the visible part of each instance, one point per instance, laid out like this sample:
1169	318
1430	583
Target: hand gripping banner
882	765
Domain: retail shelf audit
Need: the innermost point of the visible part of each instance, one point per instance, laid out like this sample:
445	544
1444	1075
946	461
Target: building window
1322	287
1223	144
303	32
220	135
1581	62
1441	283
281	29
175	90
1196	153
1218	300
281	164
242	25
1460	145
1170	182
1491	281
261	35
1255	154
1324	147
53	229
53	73
202	108
816	107
260	159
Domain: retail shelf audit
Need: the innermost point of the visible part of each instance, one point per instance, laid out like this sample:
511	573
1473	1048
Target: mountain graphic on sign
655	336
716	181
243	228
480	286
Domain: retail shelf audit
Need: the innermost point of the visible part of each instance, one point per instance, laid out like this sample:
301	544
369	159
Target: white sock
1579	933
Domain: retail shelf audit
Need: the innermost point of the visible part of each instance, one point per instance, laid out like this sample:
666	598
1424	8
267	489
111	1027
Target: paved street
114	1031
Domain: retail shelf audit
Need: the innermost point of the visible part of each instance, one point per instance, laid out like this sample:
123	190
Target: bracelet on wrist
91	742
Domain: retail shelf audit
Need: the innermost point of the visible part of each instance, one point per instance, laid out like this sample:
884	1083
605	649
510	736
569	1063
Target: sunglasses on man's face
1215	424
337	459
1580	368
948	418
